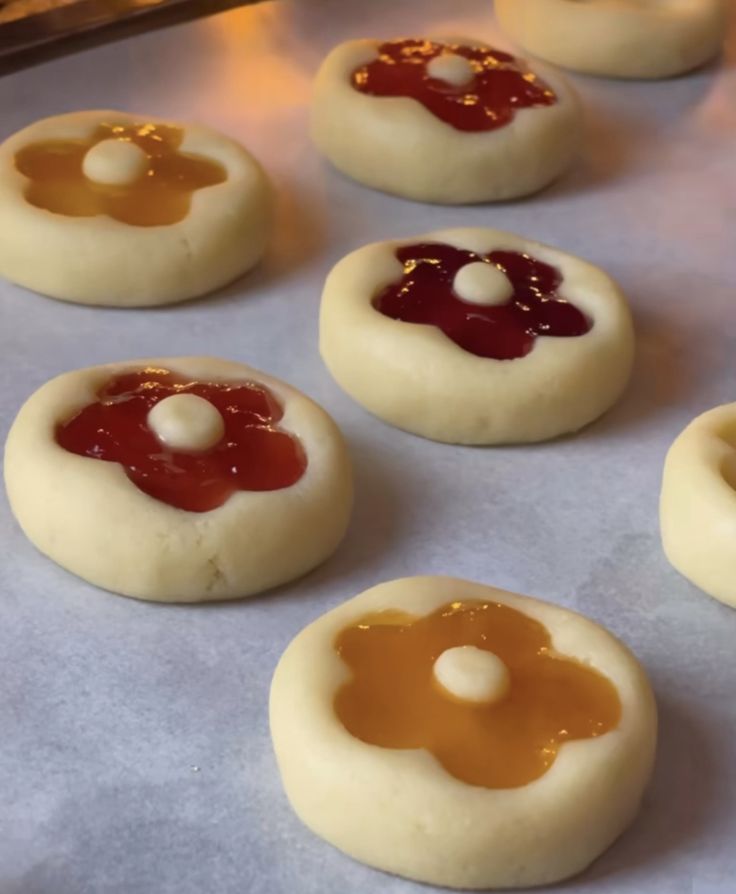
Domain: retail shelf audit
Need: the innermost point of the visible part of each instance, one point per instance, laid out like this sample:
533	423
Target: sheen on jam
500	85
393	701
425	294
160	196
253	455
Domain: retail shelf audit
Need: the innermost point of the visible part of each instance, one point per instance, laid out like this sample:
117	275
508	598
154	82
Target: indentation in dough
104	174
728	466
392	698
254	454
503	330
501	85
728	470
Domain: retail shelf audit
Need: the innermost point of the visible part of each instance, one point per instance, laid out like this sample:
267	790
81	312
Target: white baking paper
135	755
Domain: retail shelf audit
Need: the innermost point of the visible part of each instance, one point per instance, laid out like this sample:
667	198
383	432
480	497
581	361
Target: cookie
111	209
617	38
178	480
475	336
443	121
698	503
460	735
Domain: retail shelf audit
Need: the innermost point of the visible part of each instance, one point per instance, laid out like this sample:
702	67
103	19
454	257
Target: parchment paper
135	752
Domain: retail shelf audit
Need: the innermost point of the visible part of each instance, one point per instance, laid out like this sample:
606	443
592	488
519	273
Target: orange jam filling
394	701
160	195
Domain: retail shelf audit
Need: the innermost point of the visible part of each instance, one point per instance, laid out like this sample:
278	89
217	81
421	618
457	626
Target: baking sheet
135	753
31	32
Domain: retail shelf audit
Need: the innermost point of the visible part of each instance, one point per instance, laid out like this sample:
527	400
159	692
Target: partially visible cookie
697	507
617	38
107	208
461	735
178	480
451	121
476	336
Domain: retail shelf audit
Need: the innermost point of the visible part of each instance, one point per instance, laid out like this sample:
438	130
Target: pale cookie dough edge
89	518
102	261
697	507
396	145
409	374
401	812
620	43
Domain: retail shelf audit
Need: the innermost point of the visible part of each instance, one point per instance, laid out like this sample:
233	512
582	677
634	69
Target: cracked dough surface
396	145
414	377
87	516
101	261
400	811
617	38
698	503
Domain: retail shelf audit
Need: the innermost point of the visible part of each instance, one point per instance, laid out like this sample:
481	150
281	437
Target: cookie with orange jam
178	480
106	208
460	735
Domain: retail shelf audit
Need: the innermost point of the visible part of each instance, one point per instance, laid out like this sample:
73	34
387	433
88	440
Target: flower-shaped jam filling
188	444
134	174
477	684
492	305
470	88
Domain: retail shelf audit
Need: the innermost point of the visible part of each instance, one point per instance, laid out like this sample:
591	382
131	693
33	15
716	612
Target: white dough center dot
481	283
472	675
453	69
186	422
115	162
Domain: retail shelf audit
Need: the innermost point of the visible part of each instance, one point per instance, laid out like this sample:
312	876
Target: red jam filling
253	454
499	87
425	294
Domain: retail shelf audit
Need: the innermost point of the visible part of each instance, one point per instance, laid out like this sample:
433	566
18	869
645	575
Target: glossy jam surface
393	701
160	196
253	455
425	294
499	87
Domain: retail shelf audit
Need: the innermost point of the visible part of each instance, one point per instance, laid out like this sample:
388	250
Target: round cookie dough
617	38
399	810
89	517
93	255
415	377
697	507
395	144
